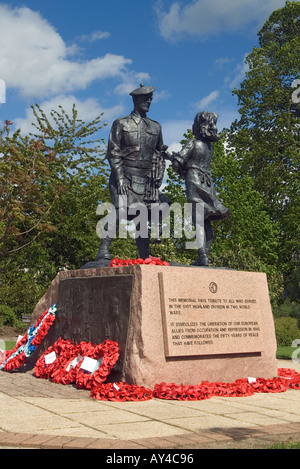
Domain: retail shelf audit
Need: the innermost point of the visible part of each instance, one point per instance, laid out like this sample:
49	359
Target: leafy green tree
83	176
249	238
266	137
24	209
7	316
51	184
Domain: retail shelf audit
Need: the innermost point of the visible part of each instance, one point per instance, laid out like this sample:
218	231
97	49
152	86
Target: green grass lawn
293	445
285	352
9	344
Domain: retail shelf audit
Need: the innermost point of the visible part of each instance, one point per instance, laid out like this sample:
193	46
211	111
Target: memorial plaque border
227	350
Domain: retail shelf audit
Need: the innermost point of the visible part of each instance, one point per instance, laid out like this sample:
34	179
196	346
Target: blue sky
93	53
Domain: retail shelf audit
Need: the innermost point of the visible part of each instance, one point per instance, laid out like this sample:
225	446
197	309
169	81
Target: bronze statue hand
165	154
122	187
176	165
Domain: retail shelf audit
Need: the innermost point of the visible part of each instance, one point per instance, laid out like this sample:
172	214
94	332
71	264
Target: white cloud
174	147
94	36
232	79
130	81
202	18
221	62
87	111
239	74
2	91
161	95
36	61
203	103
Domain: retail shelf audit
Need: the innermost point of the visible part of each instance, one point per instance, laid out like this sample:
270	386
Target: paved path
37	413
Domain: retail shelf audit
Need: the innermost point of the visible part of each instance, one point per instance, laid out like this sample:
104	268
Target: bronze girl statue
193	162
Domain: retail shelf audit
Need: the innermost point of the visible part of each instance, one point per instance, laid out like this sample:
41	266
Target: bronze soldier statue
193	162
136	155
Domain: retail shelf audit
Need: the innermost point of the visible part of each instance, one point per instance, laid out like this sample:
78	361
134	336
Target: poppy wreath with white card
54	358
67	363
97	362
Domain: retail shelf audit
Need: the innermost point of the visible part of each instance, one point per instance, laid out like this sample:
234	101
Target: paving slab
39	414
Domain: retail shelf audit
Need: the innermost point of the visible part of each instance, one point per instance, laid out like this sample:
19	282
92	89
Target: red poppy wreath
53	361
291	376
120	392
149	261
67	363
97	362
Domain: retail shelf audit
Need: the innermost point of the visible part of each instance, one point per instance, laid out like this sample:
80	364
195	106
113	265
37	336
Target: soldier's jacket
134	143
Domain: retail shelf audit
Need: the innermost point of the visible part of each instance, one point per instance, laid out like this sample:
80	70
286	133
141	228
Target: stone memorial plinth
173	324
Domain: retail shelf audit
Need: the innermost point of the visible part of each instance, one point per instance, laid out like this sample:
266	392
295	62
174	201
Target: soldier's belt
137	164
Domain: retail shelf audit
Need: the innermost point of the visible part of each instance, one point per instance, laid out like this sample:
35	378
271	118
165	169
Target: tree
248	239
83	174
24	209
266	137
51	184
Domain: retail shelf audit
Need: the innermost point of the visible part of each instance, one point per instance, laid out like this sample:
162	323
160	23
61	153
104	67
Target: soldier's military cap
142	90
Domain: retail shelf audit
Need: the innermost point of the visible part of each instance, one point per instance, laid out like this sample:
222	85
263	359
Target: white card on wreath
74	362
90	364
50	358
251	380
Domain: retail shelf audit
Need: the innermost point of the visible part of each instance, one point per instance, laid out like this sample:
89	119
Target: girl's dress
195	158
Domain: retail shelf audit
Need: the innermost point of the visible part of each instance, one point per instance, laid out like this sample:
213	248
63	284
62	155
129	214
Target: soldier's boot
202	259
104	249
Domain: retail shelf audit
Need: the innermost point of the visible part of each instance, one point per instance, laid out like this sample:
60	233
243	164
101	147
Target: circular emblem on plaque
213	287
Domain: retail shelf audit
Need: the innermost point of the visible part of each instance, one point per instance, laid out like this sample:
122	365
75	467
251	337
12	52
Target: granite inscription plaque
210	318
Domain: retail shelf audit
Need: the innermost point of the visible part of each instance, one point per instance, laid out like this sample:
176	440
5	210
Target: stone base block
173	324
